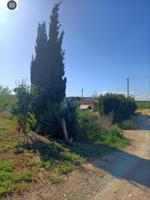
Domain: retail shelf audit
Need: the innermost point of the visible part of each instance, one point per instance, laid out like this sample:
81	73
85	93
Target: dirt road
128	171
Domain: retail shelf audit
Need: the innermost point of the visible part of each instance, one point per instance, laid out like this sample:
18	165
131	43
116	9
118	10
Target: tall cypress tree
38	64
47	74
38	70
57	81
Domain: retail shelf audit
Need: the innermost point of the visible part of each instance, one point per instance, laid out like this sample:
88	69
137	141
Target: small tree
6	99
22	105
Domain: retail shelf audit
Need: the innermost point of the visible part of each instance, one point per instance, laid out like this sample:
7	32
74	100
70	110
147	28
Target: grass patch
6	166
74	158
4	176
113	137
47	164
5	190
26	176
143	104
6	182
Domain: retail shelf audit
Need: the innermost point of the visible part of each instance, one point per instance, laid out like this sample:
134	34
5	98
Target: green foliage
19	150
6	99
57	81
143	104
5	190
130	124
74	157
47	164
88	125
6	182
4	175
64	167
23	99
90	130
26	176
49	122
9	179
120	106
113	136
22	107
47	75
6	166
69	113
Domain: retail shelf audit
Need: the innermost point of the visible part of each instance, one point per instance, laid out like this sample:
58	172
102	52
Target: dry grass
105	121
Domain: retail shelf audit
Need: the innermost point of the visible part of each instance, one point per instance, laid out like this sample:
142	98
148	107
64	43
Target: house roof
83	107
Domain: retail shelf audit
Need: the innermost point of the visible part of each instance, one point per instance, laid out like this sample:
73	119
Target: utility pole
128	92
82	92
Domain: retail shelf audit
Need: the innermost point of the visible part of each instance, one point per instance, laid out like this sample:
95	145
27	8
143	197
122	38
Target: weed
5	190
26	176
55	180
47	164
19	150
74	158
64	167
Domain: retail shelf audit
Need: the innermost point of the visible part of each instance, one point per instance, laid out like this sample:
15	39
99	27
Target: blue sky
105	41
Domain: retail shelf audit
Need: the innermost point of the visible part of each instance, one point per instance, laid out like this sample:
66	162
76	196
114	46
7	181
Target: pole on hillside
128	92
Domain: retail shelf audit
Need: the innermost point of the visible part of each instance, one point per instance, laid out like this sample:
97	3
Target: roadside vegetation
143	104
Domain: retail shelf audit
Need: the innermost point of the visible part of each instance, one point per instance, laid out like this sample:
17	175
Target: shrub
120	106
88	126
113	136
130	124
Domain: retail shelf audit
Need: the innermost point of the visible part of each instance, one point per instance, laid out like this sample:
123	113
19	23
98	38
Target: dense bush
88	126
90	130
120	106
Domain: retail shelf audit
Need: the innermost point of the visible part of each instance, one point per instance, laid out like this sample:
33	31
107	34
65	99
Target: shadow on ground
144	122
129	167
